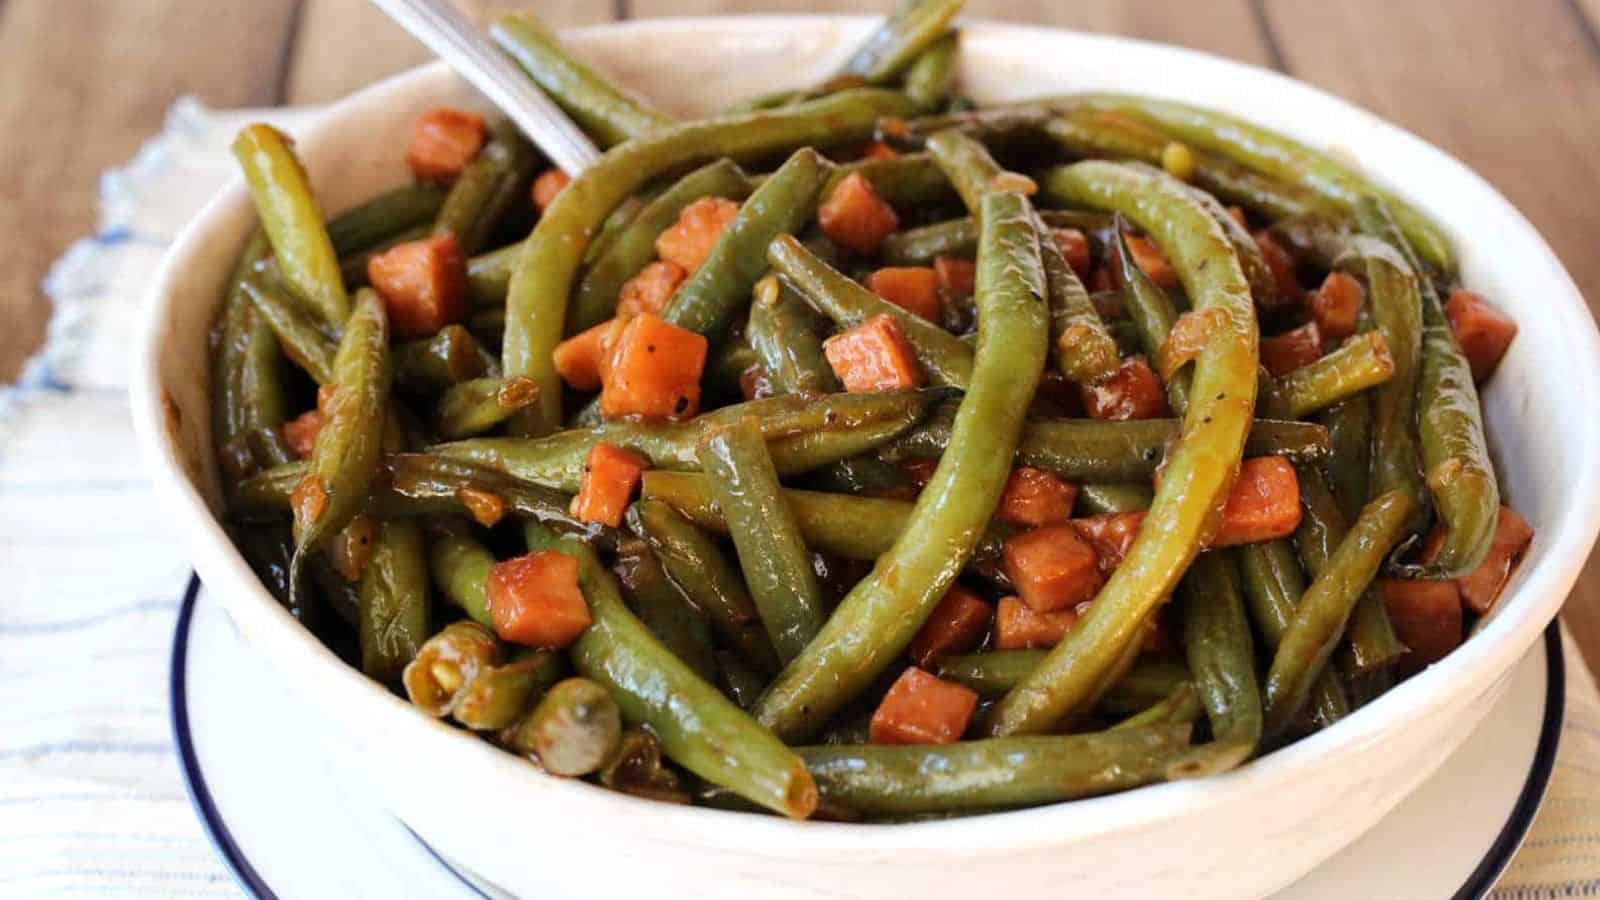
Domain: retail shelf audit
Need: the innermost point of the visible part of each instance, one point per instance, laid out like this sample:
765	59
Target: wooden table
1510	86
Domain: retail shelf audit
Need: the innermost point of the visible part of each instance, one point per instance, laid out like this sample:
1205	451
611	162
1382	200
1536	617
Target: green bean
299	335
698	566
1320	618
1349	427
353	268
499	695
993	672
269	550
419	484
337	592
707	302
1181	707
292	220
487	188
394	601
908	182
783	334
1372	645
489	275
246	386
1263	283
1318	238
1397	313
1455	455
836	421
576	727
1151	311
772	551
862	475
1092	450
931	78
448	662
773	100
636	768
1090	134
595	298
1273	585
1216	641
997	773
727	367
1079	343
697	726
345	458
542	283
664	609
488	326
738	680
851	527
1280	157
475	406
969	166
598	106
384	216
460	569
1097	499
1198	471
944	357
1362	362
879	617
896	44
432	364
959	237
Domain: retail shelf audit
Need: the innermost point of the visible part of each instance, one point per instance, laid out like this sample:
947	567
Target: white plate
286	816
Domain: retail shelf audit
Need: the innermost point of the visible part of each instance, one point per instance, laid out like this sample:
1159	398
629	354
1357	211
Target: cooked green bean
862	475
460	569
698	727
487	188
1096	499
430	365
833	421
1180	707
895	45
738	680
1397	314
1222	663
345	458
384	216
1455	454
1280	157
852	527
448	662
1092	450
876	621
576	727
477	405
969	166
772	551
931	78
1091	134
299	335
1320	618
1151	311
1079	343
1349	427
783	332
292	220
489	275
246	389
1198	470
959	237
910	181
663	607
707	301
499	695
944	357
598	106
1372	645
394	620
542	283
699	567
997	773
595	298
1362	362
1273	584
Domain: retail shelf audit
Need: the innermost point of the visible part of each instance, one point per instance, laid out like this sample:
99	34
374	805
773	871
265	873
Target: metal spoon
442	27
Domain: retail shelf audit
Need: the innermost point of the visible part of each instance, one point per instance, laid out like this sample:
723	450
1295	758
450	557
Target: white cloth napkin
91	799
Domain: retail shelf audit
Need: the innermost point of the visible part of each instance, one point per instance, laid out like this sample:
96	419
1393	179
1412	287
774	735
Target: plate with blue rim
290	815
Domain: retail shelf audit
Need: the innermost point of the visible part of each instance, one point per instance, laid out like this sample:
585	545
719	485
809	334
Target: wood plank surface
85	82
1511	90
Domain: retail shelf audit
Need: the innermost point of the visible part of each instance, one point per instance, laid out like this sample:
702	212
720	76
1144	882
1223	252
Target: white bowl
1241	834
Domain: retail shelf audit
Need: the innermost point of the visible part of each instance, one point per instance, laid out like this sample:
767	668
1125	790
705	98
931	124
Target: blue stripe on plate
1476	886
